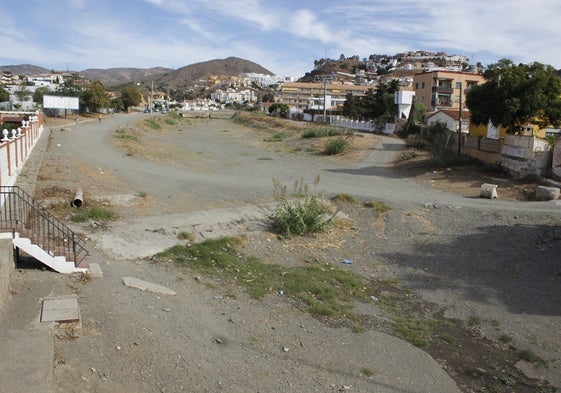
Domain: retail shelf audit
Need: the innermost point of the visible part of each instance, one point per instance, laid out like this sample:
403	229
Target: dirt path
466	257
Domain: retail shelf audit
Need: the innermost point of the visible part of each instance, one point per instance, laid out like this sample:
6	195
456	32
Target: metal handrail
19	212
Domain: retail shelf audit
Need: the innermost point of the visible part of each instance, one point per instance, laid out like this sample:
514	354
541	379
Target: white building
404	101
263	79
229	96
45	80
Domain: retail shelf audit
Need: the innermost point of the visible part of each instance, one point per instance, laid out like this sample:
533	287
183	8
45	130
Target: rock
488	191
544	193
132	282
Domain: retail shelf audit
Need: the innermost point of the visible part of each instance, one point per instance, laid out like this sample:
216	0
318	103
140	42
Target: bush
336	146
322	132
277	137
441	146
153	123
92	213
300	218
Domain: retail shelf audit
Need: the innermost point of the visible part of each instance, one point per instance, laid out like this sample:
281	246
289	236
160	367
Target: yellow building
488	131
441	89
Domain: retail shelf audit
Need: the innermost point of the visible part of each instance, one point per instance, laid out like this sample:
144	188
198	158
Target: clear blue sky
284	36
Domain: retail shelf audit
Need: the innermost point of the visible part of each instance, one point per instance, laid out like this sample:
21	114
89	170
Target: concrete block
63	308
137	283
95	270
544	193
488	191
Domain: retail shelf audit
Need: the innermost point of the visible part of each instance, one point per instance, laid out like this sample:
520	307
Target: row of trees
377	104
93	96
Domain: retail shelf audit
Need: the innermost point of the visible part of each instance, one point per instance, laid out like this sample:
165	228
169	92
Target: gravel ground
490	268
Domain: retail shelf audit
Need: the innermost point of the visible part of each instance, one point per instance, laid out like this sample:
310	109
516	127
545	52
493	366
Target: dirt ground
489	279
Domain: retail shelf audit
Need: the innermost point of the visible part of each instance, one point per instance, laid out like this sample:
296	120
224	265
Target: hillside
120	76
184	78
24	69
189	76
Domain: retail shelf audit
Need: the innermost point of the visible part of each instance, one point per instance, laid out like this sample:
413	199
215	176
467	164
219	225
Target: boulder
544	193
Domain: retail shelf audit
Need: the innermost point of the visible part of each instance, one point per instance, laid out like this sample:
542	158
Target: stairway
37	232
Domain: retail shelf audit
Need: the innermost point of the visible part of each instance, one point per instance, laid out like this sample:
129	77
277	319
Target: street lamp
151	94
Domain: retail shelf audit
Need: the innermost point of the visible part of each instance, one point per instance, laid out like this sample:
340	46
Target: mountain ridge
180	78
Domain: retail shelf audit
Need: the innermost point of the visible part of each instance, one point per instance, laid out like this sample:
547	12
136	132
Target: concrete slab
95	270
60	309
137	283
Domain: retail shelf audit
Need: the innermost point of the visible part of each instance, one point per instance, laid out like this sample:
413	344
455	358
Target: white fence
361	125
15	147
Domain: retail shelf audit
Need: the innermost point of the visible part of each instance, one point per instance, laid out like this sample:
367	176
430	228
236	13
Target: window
416	85
422	85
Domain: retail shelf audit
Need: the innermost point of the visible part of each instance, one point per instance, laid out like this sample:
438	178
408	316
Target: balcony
443	89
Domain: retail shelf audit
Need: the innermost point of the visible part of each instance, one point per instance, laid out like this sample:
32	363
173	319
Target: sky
284	36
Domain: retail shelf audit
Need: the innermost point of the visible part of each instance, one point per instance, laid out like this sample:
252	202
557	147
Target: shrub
378	206
122	133
92	213
441	146
301	217
277	137
336	146
322	132
407	155
153	123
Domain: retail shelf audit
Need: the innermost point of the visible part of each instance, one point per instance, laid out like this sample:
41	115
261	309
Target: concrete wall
6	267
526	156
556	160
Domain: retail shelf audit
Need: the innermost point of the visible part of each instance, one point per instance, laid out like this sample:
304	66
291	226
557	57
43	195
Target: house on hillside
450	118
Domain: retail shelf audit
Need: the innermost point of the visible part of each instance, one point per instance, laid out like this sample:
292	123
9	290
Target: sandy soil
488	271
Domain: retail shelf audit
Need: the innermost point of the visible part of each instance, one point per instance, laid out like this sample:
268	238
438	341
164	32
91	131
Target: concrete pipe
78	198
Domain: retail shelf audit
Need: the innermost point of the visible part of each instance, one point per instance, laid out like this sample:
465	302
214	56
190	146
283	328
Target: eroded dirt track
494	263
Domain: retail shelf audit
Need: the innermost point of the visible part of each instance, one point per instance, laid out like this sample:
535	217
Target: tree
4	94
22	93
69	88
352	106
117	104
279	110
39	93
95	96
419	111
377	104
514	95
130	96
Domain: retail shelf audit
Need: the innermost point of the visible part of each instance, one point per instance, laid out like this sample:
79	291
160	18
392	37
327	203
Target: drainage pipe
78	198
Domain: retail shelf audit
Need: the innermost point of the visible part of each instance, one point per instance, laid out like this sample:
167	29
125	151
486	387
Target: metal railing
19	212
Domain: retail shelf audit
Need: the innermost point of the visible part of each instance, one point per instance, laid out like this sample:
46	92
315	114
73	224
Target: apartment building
300	95
441	89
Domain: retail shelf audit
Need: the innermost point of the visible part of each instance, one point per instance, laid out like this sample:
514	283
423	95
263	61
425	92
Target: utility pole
324	79
324	100
151	97
460	122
